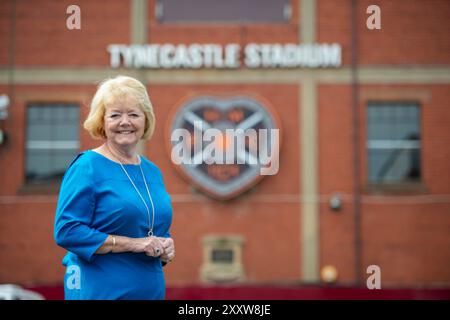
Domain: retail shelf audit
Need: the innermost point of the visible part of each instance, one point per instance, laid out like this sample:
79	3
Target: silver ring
157	251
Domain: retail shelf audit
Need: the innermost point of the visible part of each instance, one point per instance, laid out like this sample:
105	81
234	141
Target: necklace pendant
150	233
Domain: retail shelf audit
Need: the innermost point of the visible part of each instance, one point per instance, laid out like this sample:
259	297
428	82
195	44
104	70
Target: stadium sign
230	56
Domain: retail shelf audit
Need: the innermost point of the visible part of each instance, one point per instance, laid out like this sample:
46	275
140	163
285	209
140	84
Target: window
52	140
393	142
222	256
273	11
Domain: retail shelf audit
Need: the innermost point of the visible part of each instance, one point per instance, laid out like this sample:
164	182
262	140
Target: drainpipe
10	94
356	145
12	50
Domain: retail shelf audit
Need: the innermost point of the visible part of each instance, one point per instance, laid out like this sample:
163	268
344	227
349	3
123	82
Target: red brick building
343	137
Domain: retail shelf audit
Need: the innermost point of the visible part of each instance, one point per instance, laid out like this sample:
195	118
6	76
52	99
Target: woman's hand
151	246
169	250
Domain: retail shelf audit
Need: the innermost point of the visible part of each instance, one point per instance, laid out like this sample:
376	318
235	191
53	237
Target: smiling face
124	122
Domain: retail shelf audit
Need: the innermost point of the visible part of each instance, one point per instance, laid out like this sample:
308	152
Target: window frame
221	271
158	16
394	186
46	185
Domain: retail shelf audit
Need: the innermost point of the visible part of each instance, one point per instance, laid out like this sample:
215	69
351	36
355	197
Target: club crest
223	146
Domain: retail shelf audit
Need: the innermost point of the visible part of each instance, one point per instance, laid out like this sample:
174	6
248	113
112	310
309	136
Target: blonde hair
108	91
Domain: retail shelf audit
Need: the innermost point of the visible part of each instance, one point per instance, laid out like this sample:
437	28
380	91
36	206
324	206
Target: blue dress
97	199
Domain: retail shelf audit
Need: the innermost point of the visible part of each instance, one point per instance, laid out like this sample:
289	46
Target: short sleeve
75	209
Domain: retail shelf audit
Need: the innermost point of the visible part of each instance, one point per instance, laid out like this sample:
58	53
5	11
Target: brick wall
42	38
412	31
408	240
405	234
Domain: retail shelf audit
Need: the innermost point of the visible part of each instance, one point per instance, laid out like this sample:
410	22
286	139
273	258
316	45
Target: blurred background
359	93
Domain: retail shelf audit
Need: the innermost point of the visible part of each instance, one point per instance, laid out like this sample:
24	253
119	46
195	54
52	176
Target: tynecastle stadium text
195	56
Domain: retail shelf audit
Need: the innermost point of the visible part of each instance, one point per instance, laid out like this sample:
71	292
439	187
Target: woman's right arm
118	244
75	209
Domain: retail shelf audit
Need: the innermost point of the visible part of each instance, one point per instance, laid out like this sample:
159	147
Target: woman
113	213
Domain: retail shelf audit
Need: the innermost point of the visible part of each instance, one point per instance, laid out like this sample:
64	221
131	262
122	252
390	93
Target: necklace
150	225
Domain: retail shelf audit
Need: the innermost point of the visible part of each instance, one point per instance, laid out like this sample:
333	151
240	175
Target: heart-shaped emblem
224	146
